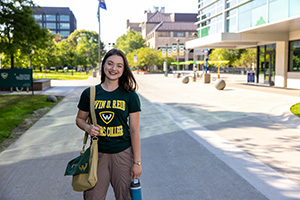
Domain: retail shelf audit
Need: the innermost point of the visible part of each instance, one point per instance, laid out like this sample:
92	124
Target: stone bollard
220	84
185	79
52	99
206	78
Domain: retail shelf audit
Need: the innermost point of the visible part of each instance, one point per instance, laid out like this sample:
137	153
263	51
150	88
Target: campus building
168	32
270	26
57	19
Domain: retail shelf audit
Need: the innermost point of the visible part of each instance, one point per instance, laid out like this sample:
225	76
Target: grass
60	75
15	109
295	109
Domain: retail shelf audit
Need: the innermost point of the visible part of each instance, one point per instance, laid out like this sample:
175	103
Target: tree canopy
19	33
130	42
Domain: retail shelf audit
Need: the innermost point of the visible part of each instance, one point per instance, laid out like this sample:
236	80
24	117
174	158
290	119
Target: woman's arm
81	119
134	122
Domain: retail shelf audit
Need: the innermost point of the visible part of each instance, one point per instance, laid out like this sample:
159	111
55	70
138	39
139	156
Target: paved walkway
197	143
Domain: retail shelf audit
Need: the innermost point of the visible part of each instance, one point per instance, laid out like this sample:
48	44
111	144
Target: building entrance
266	69
270	68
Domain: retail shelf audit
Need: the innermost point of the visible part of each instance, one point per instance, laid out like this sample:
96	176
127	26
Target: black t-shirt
112	110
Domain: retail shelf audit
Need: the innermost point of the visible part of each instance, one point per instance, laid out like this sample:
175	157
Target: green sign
15	77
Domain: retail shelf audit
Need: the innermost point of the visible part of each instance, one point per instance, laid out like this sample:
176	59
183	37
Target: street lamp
194	63
166	70
178	54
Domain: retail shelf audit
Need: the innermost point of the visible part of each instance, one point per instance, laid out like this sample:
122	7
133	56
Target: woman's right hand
93	130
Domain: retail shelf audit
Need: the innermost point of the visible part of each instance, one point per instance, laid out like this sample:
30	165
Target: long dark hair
127	81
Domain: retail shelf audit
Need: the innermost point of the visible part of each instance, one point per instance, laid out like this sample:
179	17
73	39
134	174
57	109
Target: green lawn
296	109
60	75
14	109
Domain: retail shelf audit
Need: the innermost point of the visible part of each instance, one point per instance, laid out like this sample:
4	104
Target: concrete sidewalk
197	143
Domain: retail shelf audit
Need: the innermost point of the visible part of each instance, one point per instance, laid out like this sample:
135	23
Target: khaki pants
114	169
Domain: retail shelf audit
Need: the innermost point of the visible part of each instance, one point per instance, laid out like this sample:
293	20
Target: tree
46	56
146	58
247	58
86	45
130	42
18	29
226	54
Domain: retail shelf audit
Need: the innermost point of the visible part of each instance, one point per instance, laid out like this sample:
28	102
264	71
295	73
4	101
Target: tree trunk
12	64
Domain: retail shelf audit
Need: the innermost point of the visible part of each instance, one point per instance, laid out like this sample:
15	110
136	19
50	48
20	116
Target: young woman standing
117	108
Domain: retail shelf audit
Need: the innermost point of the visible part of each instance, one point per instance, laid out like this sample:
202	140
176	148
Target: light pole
99	40
178	54
166	70
194	63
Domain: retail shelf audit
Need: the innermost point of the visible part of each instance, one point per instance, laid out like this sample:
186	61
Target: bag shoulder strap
93	114
92	105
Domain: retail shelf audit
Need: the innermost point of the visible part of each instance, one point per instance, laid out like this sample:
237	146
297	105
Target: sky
113	20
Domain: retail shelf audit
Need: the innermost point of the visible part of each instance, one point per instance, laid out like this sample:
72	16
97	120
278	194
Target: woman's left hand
136	171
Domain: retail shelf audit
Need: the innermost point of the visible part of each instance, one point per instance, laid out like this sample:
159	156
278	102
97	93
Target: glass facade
294	56
38	17
64	25
64	18
239	12
294	8
278	9
50	17
210	17
51	25
254	10
64	33
57	23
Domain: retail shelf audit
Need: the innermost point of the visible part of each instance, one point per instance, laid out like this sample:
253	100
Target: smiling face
113	67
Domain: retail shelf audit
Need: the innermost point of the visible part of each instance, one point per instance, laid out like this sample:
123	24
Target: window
65	33
65	18
212	26
231	3
37	17
294	56
178	34
278	9
51	25
50	18
64	26
294	7
163	34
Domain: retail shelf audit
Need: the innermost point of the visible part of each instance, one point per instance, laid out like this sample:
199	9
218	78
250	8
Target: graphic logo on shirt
107	116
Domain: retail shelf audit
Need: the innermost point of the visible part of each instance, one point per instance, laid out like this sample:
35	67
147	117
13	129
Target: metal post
166	72
178	54
99	41
194	66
